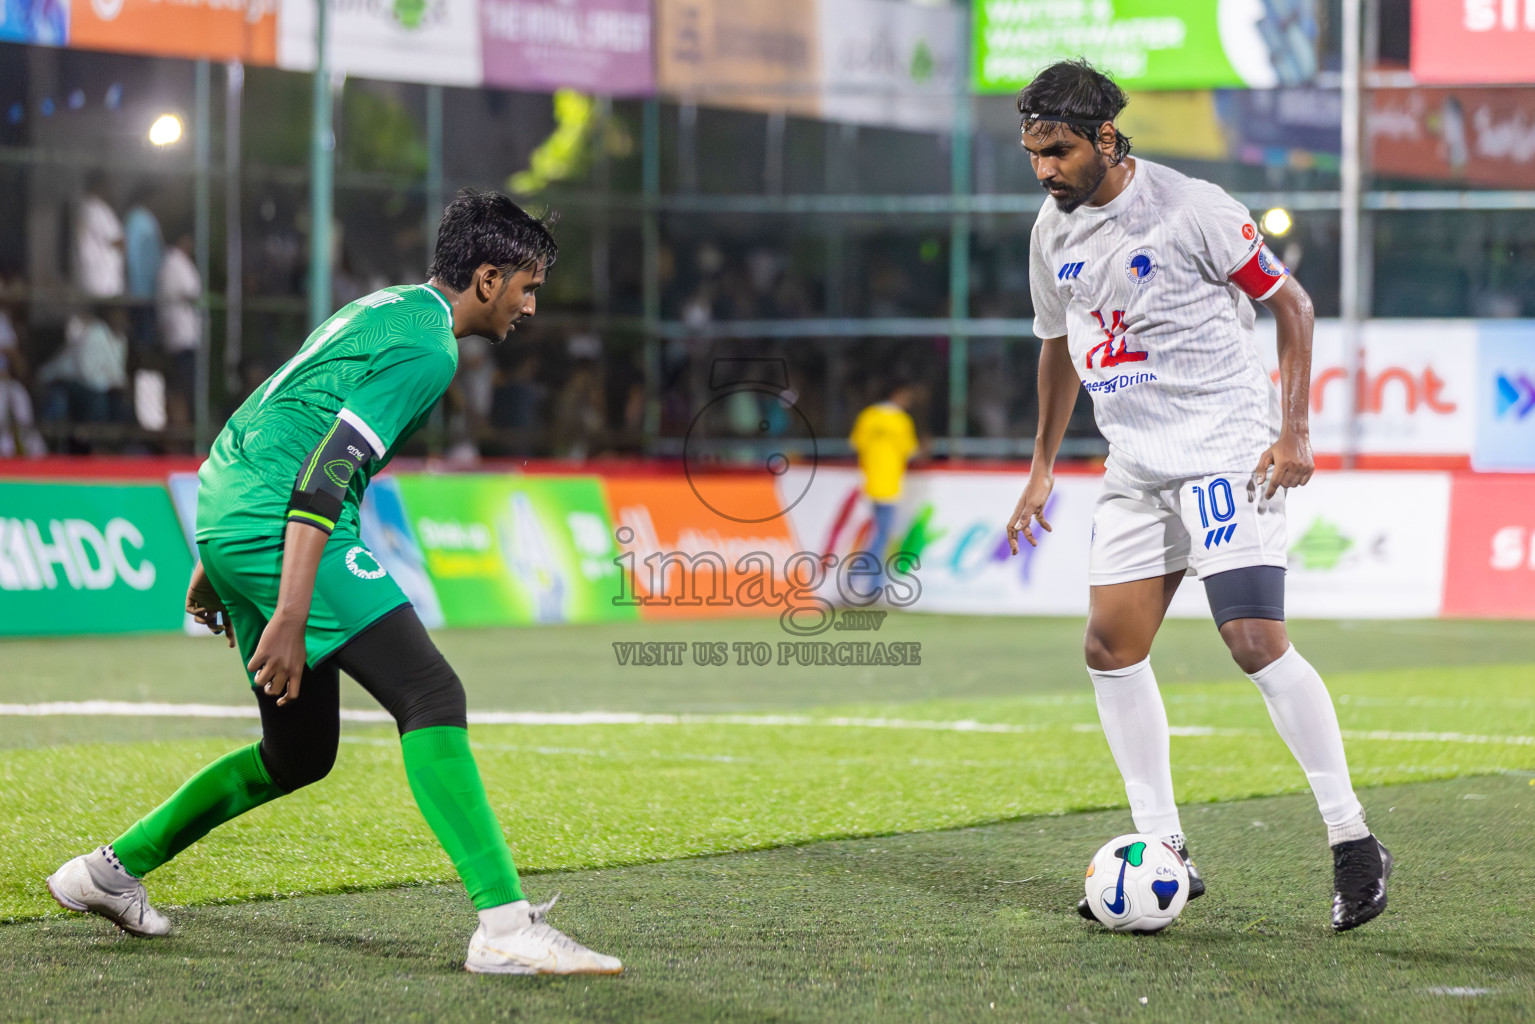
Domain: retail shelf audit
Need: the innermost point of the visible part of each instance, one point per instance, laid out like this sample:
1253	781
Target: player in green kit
284	574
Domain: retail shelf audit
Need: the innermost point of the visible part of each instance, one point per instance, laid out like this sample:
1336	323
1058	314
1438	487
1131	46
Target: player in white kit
1141	279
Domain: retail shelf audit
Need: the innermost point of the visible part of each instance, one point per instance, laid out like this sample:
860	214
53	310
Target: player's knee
439	700
293	769
1255	644
1105	653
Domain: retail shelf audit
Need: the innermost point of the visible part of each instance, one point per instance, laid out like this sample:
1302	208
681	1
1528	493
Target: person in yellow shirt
885	439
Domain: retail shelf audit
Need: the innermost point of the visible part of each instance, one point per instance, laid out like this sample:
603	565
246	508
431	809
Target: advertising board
751	54
90	558
244	30
894	64
435	41
1463	42
512	550
1476	136
1147	44
599	46
683	559
1505	396
1491	565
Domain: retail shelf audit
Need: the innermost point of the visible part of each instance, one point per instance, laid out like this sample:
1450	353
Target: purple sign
598	46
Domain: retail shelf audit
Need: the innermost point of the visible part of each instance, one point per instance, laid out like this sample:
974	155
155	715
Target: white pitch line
151	709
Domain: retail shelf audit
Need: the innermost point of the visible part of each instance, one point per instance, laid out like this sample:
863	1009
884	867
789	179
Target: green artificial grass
589	796
974	924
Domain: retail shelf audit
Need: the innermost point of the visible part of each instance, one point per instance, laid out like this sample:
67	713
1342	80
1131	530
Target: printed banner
597	46
894	64
750	54
1148	44
1491	567
1415	389
90	558
1462	42
436	41
1505	386
244	30
1476	136
35	21
513	550
720	550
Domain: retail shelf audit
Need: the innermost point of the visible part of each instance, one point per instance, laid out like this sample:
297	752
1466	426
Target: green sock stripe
225	789
446	782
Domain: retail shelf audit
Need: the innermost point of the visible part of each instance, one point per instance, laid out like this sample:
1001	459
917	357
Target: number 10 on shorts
1216	502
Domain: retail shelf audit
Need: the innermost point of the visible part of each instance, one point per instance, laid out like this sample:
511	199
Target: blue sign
1505	415
34	21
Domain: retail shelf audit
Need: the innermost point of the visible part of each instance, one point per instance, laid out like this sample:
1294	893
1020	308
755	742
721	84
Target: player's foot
1196	884
94	883
1360	868
534	947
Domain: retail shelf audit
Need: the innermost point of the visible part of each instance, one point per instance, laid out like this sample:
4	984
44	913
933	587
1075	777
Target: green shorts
351	590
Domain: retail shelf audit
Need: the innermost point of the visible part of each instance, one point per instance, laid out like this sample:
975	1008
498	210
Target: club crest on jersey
1141	265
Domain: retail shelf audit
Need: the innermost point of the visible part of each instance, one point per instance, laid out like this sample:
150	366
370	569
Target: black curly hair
1078	95
487	227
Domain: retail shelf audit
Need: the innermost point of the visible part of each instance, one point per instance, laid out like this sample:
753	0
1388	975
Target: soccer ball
1137	883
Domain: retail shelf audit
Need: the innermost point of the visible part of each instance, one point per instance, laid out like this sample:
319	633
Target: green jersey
381	364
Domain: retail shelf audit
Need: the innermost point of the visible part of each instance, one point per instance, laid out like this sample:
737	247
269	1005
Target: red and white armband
1261	275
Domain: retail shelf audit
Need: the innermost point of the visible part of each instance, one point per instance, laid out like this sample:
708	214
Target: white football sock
1302	711
508	917
1135	724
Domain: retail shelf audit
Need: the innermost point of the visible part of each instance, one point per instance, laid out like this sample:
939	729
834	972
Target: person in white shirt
179	290
100	269
85	380
1141	279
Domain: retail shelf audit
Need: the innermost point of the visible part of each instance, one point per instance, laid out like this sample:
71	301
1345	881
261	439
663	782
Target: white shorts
1202	526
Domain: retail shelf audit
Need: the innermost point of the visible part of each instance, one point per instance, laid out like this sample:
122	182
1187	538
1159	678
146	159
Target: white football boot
94	883
530	945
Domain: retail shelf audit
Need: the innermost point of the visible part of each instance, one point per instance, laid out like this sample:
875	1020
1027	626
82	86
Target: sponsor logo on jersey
1110	385
1069	271
1141	265
363	565
1249	232
1105	352
1219	536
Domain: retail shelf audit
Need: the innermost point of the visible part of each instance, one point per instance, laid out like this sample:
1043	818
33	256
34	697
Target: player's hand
1287	463
1031	506
205	605
278	664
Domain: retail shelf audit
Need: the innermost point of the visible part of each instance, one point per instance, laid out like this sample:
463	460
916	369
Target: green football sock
447	786
225	789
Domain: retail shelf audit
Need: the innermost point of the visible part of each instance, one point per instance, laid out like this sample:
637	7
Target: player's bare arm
205	606
278	663
1058	384
1288	462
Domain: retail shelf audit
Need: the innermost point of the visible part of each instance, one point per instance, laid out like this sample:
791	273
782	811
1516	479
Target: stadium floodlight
165	130
1277	221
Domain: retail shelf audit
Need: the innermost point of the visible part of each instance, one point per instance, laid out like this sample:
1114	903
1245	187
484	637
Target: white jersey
1149	292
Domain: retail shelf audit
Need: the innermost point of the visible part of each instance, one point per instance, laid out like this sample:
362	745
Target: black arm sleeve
320	489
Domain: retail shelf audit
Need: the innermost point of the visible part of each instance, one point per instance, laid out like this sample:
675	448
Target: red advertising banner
674	539
1478	136
1490	565
244	30
1467	42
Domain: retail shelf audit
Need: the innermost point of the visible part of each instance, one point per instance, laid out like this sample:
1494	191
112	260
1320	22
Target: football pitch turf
701	832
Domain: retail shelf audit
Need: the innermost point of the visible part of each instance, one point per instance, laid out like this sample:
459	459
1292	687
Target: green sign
1147	44
515	549
90	558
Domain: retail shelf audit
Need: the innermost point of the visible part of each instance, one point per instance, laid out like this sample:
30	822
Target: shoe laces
1357	865
542	929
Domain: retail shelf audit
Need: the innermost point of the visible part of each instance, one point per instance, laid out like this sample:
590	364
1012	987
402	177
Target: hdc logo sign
1505	419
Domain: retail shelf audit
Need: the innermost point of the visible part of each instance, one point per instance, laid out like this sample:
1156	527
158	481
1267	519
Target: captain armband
1261	275
319	492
